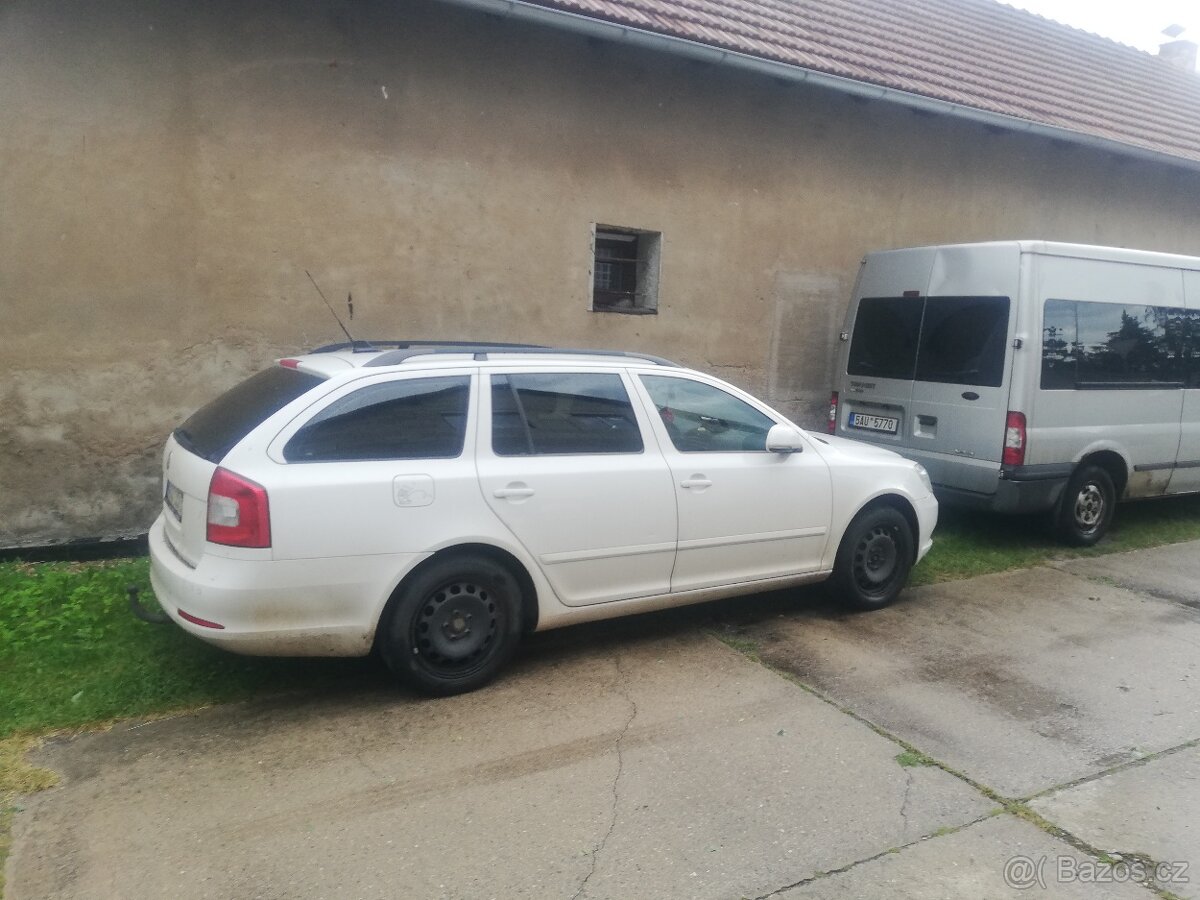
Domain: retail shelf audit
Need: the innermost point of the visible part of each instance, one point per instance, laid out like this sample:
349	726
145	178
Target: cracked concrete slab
998	857
1023	680
1145	811
660	766
1172	573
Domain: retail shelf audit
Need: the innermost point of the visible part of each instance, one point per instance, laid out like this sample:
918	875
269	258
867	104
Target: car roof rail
373	346
483	352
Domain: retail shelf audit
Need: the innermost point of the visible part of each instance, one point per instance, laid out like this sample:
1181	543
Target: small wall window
625	270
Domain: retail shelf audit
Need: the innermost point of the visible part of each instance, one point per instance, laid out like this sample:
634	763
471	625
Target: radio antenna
345	331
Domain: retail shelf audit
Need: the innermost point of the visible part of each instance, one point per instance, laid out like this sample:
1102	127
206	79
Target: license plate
874	423
174	500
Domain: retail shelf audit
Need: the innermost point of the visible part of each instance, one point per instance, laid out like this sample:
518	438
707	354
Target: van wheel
1086	508
453	626
874	559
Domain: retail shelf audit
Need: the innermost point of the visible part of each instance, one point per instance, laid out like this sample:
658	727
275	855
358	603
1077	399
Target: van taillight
1014	440
238	515
833	408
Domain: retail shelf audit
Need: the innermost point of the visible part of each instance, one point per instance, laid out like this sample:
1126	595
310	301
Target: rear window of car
948	340
213	430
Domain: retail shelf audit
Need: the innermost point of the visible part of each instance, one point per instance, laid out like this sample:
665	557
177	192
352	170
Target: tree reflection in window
1096	345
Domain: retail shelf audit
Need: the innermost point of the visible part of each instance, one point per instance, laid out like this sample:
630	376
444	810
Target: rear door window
214	430
412	418
963	341
552	413
884	344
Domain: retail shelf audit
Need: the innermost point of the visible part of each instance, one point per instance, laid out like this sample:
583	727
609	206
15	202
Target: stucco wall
168	171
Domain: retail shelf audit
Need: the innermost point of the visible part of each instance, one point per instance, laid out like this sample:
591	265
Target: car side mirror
784	439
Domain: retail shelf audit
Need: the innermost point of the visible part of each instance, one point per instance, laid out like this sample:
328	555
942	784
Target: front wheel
874	559
453	626
1087	505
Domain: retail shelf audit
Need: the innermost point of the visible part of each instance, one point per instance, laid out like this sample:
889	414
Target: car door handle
513	492
700	483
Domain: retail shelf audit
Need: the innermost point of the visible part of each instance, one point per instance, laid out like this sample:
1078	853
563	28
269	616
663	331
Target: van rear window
963	341
884	344
948	340
213	430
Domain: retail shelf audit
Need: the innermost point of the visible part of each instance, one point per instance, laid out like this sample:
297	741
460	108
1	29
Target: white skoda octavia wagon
435	501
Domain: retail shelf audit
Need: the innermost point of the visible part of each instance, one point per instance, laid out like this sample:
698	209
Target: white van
1029	376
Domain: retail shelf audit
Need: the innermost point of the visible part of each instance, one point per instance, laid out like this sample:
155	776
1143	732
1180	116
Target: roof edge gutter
695	51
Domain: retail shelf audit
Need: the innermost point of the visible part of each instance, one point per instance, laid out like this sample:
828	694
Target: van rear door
960	394
935	324
886	326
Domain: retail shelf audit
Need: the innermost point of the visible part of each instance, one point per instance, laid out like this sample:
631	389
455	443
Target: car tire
874	559
453	625
1086	508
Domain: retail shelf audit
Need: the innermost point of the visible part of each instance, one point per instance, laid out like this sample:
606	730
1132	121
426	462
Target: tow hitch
135	606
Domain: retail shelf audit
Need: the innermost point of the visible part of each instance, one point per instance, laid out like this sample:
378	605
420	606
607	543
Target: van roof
1063	249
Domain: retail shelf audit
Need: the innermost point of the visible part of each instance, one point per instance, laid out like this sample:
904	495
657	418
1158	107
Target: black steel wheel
453	625
874	559
1086	508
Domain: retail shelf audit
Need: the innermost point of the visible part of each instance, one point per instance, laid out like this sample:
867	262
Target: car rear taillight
238	515
831	425
1014	440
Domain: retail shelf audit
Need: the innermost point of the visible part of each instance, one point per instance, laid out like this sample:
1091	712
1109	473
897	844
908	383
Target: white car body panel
601	535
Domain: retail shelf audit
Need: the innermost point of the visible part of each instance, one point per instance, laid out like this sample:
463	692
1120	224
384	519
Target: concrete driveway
1006	732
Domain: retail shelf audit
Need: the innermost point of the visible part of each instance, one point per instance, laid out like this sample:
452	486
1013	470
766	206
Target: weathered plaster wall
168	171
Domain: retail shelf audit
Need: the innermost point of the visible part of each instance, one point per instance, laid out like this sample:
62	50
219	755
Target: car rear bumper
312	607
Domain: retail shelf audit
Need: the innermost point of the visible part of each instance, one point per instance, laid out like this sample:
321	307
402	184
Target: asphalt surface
1035	733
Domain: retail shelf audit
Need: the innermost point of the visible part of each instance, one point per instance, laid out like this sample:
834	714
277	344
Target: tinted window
704	419
884	344
213	430
562	413
418	418
1059	369
963	341
1113	345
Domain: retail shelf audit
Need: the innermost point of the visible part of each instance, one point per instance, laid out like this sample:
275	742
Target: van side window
963	341
1091	345
884	344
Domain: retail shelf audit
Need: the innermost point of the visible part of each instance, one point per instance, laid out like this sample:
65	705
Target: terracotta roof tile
974	53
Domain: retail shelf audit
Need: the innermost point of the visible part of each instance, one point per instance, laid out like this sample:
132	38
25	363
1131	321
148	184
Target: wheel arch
1111	462
899	503
529	595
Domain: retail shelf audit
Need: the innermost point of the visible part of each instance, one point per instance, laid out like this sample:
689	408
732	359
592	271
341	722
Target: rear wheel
874	559
1086	508
453	626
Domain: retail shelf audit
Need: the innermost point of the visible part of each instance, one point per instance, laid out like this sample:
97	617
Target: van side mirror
784	439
